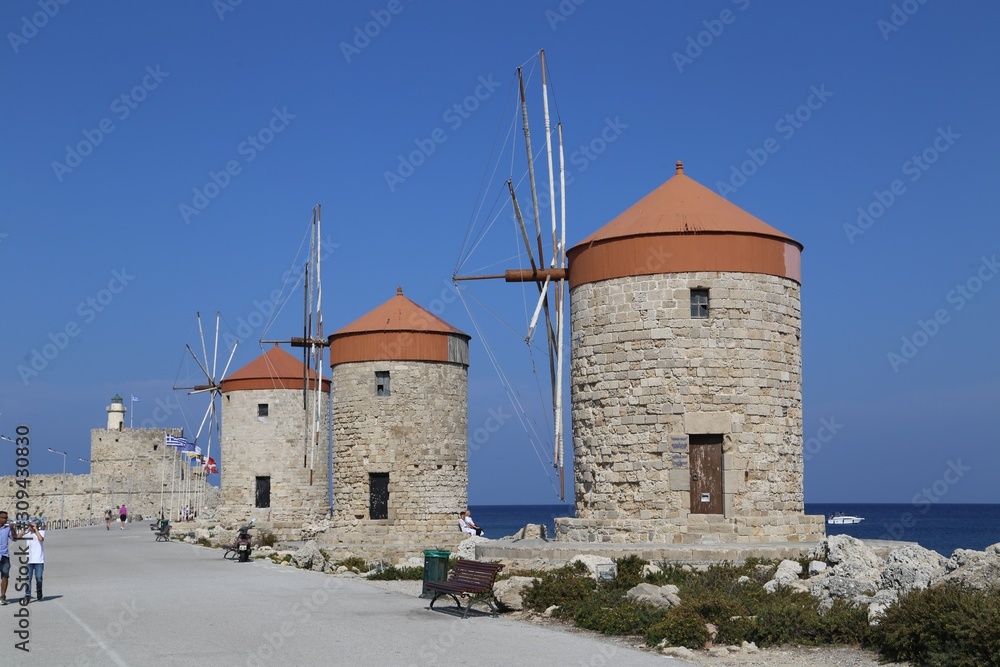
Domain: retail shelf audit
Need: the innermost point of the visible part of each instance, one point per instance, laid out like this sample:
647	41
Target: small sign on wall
706	497
679	461
679	443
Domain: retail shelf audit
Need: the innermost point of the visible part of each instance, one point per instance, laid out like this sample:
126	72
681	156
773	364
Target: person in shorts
107	518
5	537
35	537
122	516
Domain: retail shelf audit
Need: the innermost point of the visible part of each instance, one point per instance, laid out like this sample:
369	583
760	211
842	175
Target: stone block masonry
646	376
268	448
417	435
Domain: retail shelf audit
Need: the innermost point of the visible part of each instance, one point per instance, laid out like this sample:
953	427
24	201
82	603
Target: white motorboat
842	519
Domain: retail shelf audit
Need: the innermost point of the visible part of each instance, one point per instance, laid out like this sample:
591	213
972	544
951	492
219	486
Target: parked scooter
243	542
243	546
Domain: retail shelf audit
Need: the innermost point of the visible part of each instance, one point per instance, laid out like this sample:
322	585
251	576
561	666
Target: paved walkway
119	598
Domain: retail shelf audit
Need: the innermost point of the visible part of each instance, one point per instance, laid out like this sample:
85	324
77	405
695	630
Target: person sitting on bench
463	524
468	520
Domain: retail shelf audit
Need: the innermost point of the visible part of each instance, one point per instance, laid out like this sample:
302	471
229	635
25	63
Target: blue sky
160	159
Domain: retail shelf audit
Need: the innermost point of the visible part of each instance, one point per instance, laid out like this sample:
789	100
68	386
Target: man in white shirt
5	536
35	537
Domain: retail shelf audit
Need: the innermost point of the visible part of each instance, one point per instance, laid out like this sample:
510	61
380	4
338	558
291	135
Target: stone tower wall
130	467
417	434
137	460
646	375
273	446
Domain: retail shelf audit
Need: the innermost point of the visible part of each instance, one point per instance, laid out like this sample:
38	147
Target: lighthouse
116	414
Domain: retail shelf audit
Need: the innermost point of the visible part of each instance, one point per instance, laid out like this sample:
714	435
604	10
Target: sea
940	527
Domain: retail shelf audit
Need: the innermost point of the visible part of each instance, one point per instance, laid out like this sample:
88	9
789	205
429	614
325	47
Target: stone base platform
526	551
386	547
694	529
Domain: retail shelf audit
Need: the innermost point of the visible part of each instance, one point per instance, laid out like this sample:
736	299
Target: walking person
35	537
5	537
122	516
107	518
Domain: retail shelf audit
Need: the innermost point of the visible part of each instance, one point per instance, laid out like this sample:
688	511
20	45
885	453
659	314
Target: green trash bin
435	569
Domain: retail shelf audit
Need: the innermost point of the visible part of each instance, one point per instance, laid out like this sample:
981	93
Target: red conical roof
399	314
398	330
682	205
680	227
275	369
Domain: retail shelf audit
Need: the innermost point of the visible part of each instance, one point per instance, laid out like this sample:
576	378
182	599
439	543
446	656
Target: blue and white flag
135	399
174	441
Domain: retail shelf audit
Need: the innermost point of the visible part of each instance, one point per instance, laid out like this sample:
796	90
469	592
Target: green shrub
680	626
566	587
947	625
393	573
267	539
353	563
846	624
203	541
629	572
610	613
786	617
670	573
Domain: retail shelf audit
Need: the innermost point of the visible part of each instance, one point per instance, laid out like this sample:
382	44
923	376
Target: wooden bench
471	579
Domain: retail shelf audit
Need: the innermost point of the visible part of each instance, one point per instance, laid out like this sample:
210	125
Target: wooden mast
556	273
313	343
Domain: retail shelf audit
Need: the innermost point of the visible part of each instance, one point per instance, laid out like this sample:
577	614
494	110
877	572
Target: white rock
467	548
788	571
664	597
550	610
309	557
509	592
912	568
678	651
749	647
852	559
794	584
591	562
815	567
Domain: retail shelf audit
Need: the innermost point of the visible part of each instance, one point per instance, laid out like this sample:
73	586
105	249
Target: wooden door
378	495
706	474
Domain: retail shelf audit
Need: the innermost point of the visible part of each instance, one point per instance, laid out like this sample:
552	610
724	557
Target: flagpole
173	479
163	474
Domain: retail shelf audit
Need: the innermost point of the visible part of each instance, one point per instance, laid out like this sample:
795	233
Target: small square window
699	304
381	383
262	409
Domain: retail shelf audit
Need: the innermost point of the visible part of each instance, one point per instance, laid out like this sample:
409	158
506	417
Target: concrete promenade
119	598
